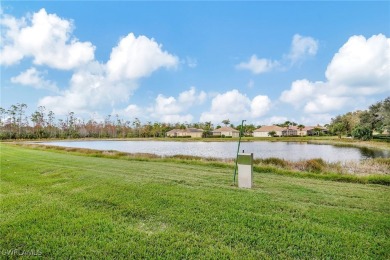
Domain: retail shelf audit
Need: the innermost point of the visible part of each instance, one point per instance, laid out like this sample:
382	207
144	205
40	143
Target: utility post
238	150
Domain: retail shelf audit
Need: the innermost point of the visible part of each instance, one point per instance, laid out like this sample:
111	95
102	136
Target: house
226	131
191	132
289	131
311	130
194	132
264	130
173	133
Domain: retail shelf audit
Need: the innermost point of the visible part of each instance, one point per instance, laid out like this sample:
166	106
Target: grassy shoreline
64	204
374	171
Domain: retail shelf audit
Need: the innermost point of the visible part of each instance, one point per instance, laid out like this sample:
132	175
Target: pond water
292	151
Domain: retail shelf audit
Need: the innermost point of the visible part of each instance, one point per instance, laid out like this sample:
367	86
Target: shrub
362	132
315	165
272	161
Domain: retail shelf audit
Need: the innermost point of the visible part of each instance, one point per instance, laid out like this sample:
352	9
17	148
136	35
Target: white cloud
190	97
362	64
46	38
33	77
172	110
324	103
300	91
130	112
235	106
137	57
260	106
90	89
302	47
359	69
272	120
257	66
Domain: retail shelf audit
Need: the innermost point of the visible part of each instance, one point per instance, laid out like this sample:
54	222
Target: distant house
312	130
264	130
289	131
192	132
173	133
226	131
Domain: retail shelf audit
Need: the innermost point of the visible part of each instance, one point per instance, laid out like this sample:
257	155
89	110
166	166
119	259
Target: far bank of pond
292	151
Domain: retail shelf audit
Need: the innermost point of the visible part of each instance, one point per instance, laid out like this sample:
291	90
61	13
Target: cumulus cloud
272	120
90	88
171	109
131	111
302	47
190	97
236	106
99	84
33	77
360	68
362	63
257	66
324	103
300	91
46	38
137	57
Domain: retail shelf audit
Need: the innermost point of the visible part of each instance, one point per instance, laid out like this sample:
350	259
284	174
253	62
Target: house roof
173	131
269	128
188	130
194	130
225	129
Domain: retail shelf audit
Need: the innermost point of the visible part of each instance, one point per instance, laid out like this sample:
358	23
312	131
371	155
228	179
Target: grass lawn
64	205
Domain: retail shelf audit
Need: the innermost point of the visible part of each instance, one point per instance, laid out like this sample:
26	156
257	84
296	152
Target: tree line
363	124
41	124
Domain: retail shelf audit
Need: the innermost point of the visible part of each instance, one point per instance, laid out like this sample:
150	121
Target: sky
196	61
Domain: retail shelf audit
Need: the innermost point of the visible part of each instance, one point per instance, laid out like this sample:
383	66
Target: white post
245	170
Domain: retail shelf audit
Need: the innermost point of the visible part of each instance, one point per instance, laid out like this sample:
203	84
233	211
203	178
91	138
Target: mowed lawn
64	205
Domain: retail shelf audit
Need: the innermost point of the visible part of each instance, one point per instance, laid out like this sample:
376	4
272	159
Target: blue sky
266	62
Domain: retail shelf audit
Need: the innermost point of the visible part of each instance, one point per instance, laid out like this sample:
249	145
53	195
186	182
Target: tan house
287	131
192	132
264	130
309	130
226	131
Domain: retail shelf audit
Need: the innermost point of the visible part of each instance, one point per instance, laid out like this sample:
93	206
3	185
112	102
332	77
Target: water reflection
369	153
293	151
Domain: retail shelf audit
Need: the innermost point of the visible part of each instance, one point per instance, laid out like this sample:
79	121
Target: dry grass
361	168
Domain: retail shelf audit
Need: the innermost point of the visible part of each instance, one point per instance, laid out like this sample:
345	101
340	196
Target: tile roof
269	128
226	129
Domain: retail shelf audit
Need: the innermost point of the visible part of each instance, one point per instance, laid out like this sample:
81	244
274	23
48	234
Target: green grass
67	205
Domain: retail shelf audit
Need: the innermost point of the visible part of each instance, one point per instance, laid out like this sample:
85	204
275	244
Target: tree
272	133
338	129
317	130
300	127
226	122
362	132
21	108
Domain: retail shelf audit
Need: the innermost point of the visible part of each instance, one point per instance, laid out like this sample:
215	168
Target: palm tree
300	127
226	122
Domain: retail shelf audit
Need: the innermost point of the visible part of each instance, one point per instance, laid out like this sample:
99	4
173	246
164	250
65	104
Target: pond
293	151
